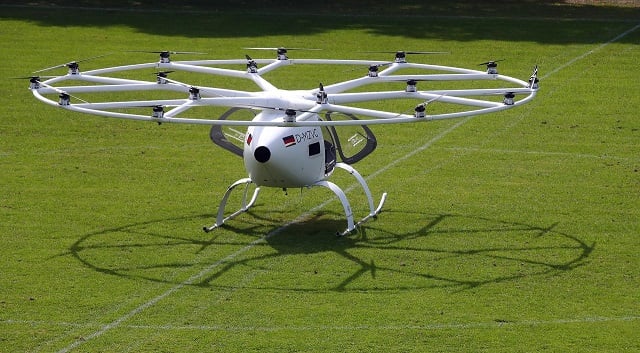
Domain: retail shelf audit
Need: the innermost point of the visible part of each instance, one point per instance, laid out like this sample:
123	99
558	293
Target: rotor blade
62	92
36	77
406	52
177	82
187	52
490	61
302	49
264	107
54	88
91	58
165	51
376	65
434	99
426	52
71	62
285	48
50	68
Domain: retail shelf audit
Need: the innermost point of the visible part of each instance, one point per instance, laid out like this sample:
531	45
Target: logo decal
289	140
249	138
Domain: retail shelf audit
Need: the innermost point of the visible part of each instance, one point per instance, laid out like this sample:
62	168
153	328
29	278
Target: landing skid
373	212
220	219
351	225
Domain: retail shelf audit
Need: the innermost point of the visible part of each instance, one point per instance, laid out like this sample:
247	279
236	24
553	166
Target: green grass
513	232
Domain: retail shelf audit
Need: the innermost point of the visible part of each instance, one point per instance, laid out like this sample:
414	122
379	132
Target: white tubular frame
470	101
220	219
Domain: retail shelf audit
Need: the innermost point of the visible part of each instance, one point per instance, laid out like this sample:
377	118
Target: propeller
281	48
535	71
252	66
411	83
491	62
36	77
64	96
420	109
166	54
533	80
508	98
492	66
321	96
407	52
172	81
161	76
373	69
401	55
34	81
165	51
281	51
290	113
194	92
72	65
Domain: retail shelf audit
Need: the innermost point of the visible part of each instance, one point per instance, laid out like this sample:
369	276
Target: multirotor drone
292	137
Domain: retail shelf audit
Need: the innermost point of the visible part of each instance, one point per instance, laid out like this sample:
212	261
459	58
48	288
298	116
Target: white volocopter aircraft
292	137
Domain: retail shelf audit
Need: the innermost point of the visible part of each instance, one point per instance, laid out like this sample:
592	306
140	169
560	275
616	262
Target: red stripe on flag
289	140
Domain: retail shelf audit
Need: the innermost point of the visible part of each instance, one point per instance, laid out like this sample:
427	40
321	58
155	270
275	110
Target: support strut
373	212
351	224
220	219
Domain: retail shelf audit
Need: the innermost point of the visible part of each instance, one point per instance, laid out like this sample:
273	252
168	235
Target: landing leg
345	204
373	212
244	208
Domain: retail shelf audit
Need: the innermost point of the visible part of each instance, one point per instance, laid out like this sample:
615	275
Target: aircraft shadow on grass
421	20
442	251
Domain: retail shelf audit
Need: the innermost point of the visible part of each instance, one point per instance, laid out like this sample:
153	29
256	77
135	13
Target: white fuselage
285	157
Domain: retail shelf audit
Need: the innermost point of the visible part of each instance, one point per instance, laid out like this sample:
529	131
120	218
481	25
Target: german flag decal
289	140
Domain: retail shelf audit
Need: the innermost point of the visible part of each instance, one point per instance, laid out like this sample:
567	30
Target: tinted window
314	149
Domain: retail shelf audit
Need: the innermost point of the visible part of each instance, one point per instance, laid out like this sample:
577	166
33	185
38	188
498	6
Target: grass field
513	232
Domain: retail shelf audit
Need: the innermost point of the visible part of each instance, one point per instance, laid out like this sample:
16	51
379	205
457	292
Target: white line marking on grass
207	270
191	280
419	149
573	61
118	322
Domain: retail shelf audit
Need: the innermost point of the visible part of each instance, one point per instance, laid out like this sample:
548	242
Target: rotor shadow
443	251
440	240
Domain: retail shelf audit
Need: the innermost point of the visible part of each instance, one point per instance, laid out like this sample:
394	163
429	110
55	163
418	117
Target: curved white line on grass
118	322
